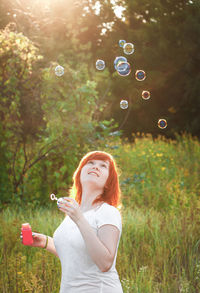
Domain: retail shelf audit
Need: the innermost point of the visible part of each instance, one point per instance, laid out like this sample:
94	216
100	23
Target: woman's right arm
40	240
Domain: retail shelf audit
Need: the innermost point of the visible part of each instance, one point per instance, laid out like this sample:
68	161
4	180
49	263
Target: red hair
111	193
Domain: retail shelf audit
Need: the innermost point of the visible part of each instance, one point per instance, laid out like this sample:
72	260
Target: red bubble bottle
27	234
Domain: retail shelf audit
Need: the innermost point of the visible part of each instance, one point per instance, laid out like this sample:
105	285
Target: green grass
159	246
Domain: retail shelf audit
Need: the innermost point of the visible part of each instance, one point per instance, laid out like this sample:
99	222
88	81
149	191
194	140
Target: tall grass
159	246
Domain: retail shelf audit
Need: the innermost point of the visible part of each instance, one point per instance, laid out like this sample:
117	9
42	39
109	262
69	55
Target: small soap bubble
100	64
146	95
140	75
127	70
128	48
124	104
118	60
59	70
53	197
162	123
122	43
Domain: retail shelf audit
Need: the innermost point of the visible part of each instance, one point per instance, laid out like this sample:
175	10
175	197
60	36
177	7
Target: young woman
87	240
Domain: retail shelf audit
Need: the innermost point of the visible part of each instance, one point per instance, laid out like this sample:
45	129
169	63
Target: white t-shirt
79	272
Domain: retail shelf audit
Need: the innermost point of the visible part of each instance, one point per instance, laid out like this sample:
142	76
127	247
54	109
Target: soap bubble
122	66
140	75
100	64
59	70
128	48
124	104
146	95
126	66
118	60
162	123
122	43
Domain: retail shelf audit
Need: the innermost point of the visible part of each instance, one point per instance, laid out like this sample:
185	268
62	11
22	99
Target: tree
43	116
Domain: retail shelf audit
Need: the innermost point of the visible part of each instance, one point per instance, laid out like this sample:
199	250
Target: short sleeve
108	214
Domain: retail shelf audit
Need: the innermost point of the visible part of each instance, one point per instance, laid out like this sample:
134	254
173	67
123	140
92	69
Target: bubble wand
59	200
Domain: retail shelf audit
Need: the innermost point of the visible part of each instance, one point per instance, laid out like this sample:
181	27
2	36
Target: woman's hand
39	240
71	208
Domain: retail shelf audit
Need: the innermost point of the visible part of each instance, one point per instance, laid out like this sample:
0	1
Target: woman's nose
96	167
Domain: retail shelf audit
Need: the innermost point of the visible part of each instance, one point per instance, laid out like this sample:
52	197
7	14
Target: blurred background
48	122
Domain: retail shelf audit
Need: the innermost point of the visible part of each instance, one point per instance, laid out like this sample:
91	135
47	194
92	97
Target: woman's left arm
97	250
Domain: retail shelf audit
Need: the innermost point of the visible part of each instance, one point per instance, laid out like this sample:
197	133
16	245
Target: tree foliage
43	116
47	122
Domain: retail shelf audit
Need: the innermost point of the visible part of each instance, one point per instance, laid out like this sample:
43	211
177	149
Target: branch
25	156
33	163
40	157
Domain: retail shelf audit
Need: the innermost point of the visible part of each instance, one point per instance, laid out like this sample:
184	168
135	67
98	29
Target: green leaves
48	120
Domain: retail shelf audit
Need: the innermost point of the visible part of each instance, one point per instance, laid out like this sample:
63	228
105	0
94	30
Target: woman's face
96	171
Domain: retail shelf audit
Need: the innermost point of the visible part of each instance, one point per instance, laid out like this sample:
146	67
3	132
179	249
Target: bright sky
118	9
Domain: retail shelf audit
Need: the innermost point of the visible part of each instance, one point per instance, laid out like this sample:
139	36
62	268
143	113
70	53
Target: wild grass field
159	246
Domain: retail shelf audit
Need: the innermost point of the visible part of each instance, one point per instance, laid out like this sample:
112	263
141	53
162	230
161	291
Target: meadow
159	246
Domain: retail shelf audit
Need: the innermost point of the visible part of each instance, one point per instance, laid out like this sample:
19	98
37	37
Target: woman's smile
93	173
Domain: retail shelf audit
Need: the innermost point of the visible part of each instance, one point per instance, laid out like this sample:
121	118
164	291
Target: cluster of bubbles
123	68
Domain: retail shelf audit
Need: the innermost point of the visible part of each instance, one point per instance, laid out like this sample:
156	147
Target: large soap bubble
122	66
126	68
118	60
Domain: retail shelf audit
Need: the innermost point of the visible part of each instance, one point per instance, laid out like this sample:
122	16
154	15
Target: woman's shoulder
107	207
108	214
